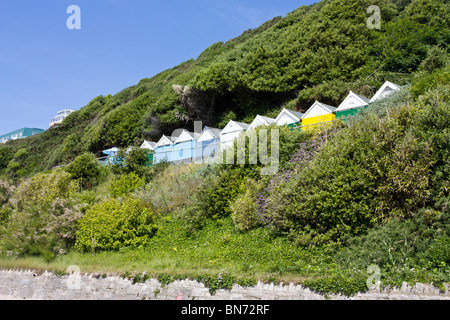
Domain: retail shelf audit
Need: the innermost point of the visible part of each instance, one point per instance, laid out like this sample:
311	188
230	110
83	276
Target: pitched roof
187	136
148	145
296	116
164	141
239	126
327	108
387	85
358	101
214	132
260	120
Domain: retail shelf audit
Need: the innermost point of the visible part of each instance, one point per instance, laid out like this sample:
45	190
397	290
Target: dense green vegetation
374	190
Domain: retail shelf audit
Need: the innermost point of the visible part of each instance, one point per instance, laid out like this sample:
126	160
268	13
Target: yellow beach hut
319	113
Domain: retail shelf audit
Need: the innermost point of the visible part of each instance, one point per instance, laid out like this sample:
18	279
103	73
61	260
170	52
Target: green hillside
316	52
373	190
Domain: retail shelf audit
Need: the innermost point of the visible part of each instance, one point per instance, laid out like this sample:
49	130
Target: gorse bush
43	216
172	190
85	169
244	209
42	189
115	224
125	185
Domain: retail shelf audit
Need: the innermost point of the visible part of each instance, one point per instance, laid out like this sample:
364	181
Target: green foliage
43	189
213	201
437	58
244	209
43	216
173	188
85	169
371	172
429	81
6	154
345	285
114	224
5	208
16	166
214	283
125	185
132	160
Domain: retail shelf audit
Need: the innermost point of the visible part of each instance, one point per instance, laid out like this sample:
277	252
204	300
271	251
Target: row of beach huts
185	146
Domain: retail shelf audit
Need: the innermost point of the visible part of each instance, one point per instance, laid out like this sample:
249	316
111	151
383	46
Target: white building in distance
60	116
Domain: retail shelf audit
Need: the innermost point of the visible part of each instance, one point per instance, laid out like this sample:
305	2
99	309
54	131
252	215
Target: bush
42	190
114	224
47	232
133	160
373	171
5	209
172	190
42	216
389	246
125	185
85	169
244	209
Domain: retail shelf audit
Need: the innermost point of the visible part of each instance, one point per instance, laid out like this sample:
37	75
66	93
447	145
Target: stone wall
48	286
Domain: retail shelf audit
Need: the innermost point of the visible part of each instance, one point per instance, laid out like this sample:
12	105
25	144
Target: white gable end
386	89
287	117
164	141
184	136
148	145
206	136
260	121
233	126
318	109
353	101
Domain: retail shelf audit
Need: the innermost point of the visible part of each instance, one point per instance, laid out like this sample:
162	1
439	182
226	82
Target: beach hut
184	145
208	144
351	105
149	145
111	155
289	118
231	132
164	149
386	89
261	121
318	113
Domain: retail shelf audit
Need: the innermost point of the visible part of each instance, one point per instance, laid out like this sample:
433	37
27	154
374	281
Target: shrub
42	190
132	160
392	245
46	231
42	216
244	209
85	169
172	190
114	224
125	185
5	209
371	172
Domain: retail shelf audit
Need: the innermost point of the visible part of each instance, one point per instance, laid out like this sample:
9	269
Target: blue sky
45	67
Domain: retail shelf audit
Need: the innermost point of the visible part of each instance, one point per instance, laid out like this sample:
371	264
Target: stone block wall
48	286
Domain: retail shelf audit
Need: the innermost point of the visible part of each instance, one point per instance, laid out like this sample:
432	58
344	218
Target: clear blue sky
45	67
